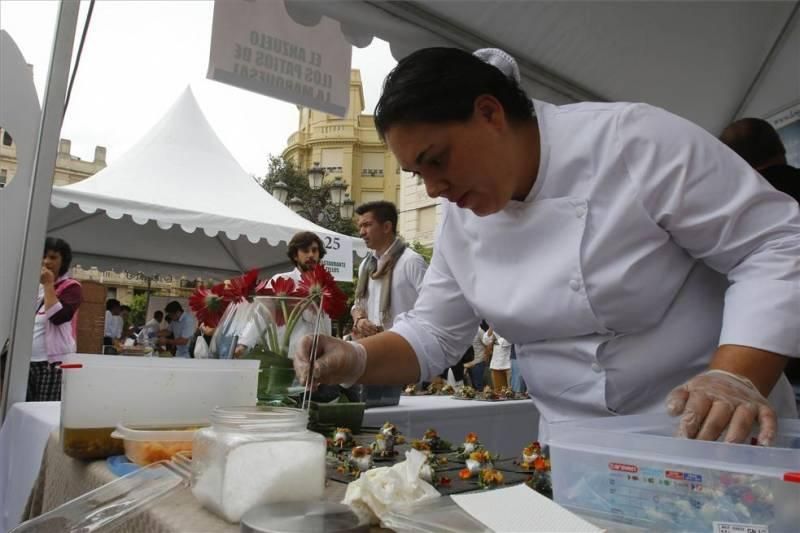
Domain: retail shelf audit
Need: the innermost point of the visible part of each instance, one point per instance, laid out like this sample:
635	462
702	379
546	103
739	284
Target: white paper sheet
521	509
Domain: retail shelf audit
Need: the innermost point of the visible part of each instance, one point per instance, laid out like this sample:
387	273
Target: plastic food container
147	445
99	392
251	456
630	469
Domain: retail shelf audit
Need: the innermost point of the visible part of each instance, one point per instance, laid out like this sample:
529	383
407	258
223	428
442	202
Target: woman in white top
501	359
630	256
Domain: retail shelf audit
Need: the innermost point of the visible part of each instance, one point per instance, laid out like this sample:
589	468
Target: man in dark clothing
757	142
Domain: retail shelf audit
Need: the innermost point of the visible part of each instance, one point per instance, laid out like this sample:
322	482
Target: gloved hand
337	361
717	400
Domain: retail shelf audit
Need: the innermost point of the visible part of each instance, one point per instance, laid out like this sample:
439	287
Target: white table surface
503	427
23	438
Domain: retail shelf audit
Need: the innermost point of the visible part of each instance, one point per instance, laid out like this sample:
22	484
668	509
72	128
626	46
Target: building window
111	292
7	140
3	177
372	172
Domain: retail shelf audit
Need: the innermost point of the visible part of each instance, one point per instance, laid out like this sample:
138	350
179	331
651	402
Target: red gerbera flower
280	286
319	283
208	305
239	289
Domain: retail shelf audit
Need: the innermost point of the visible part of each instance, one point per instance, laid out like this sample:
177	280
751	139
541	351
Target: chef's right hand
337	361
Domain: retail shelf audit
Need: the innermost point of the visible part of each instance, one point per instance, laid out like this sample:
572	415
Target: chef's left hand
717	401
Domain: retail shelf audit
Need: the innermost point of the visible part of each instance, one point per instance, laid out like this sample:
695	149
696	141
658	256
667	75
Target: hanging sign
255	45
338	256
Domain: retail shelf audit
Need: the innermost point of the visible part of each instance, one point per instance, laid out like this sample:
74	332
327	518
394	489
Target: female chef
630	256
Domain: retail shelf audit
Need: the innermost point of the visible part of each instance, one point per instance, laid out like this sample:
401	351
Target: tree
322	211
425	251
138	314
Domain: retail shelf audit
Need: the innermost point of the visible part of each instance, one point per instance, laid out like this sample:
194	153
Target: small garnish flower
490	477
465	473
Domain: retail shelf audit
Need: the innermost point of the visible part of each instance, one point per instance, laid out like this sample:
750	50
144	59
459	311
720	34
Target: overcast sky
138	58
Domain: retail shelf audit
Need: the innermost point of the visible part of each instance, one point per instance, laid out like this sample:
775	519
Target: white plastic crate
630	469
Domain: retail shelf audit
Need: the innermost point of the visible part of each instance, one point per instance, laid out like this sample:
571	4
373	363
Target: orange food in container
145	445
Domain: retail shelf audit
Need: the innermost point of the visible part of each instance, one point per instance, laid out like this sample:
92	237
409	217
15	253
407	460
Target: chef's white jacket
643	245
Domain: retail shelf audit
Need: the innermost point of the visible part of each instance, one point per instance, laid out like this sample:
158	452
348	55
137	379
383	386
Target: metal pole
41	188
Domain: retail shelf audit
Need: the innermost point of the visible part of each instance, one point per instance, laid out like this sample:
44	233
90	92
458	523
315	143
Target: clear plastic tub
630	469
146	445
251	456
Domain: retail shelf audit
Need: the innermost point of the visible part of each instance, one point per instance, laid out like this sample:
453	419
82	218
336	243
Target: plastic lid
156	433
261	418
297	517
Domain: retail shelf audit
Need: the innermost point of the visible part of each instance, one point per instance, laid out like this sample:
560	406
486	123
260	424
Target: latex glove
717	400
337	361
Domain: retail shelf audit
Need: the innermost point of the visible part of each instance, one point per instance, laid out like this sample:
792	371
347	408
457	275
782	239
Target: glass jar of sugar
255	455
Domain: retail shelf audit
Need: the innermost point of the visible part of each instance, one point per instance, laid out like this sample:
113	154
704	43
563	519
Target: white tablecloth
503	427
23	438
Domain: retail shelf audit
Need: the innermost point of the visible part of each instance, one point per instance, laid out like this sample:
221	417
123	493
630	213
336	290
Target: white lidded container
630	469
98	392
251	456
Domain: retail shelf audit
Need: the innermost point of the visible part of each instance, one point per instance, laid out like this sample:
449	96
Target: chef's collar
544	157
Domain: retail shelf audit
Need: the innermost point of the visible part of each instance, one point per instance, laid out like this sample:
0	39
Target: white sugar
262	472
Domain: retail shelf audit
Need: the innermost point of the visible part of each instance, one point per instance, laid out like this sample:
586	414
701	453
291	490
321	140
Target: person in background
153	326
390	277
483	354
113	327
306	250
757	142
183	328
501	359
126	327
55	322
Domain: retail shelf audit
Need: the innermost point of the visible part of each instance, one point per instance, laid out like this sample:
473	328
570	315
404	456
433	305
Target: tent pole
16	378
231	255
73	222
773	51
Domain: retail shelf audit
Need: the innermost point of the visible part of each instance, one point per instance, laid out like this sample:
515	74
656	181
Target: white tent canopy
176	203
710	62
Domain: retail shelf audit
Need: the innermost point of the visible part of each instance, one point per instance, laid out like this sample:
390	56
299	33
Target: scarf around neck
380	269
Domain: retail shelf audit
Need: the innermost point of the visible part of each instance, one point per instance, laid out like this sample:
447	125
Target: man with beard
306	250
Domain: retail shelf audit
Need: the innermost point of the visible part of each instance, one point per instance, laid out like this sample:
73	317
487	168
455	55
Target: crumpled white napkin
376	490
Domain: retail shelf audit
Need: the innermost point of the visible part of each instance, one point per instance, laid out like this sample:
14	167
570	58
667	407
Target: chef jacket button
580	211
575	285
597	368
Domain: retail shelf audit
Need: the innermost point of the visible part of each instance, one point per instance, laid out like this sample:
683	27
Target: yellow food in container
146	445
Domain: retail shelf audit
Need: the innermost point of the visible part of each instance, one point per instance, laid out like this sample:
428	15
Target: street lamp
280	191
346	209
337	191
315	176
296	204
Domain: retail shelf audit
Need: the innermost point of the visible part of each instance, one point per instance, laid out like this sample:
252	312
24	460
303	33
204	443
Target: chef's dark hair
441	85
